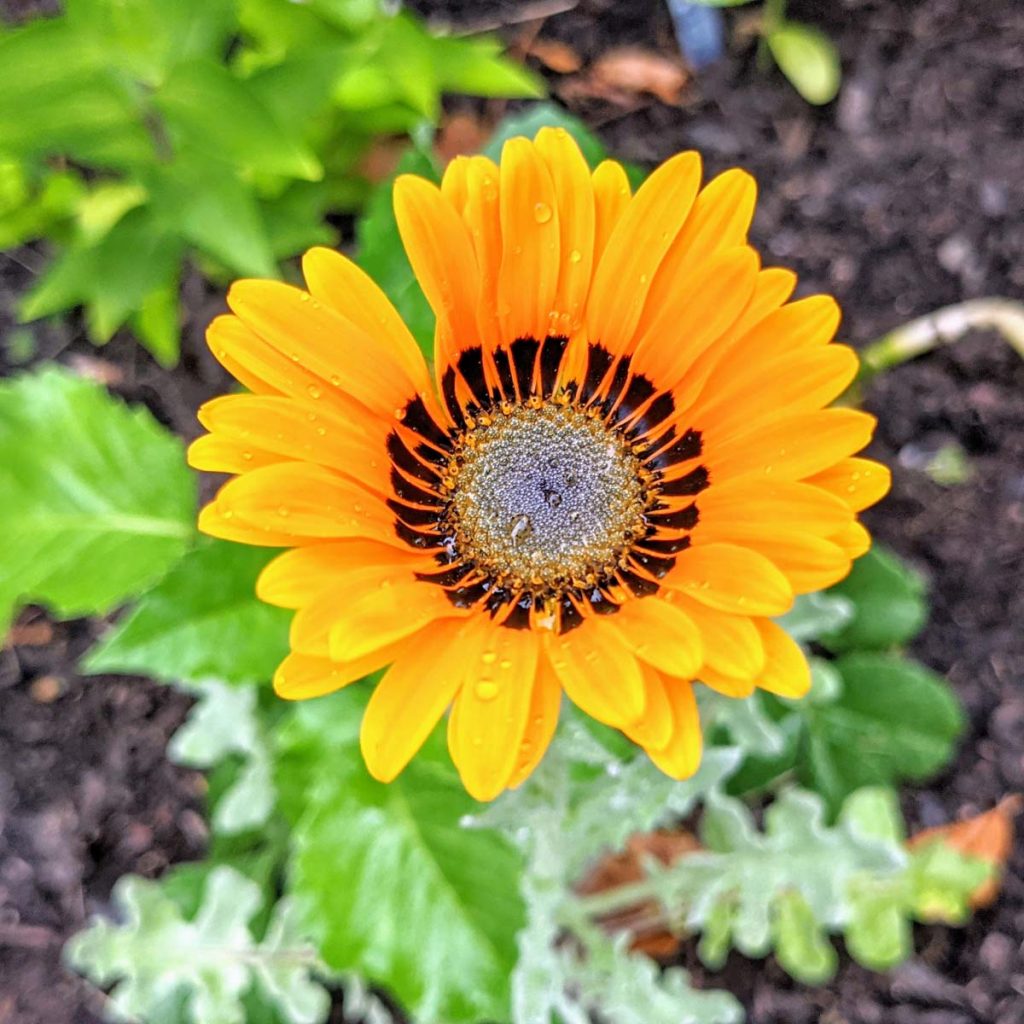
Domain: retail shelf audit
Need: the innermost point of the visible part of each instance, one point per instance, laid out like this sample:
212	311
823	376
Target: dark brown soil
902	196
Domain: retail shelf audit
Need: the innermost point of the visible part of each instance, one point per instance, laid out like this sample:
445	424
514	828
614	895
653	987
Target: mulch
902	196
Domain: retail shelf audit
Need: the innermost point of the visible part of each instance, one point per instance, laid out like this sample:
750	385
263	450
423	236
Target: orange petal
858	482
786	672
731	579
529	241
598	672
295	577
680	757
482	214
611	197
256	364
350	441
300	677
312	334
672	335
800	381
217	520
635	250
454	183
661	634
492	710
791	448
808	562
441	253
653	730
337	282
299	500
386	614
543	720
719	219
227	455
726	685
574	197
758	508
853	539
732	645
410	699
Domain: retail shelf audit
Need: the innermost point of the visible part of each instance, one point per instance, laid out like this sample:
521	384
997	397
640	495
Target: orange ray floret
620	470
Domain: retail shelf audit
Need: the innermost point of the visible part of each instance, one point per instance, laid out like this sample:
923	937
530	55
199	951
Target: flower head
622	468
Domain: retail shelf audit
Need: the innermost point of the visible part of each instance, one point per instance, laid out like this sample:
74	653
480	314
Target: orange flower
622	470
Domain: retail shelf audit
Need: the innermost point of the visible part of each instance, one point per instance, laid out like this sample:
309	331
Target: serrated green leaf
223	723
187	630
210	110
157	323
146	38
894	720
397	889
478	67
79	106
156	953
889	606
878	934
98	503
808	58
801	946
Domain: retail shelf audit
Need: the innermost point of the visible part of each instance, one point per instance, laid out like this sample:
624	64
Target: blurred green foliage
137	134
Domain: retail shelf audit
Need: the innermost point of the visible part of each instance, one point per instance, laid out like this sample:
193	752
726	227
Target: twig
943	327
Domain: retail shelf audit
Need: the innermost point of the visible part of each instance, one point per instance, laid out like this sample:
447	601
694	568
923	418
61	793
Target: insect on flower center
544	494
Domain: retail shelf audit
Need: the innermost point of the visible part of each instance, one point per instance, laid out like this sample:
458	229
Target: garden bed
901	197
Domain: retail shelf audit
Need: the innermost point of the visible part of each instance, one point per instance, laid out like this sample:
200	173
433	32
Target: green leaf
98	503
942	881
398	889
893	720
213	959
541	115
210	206
889	606
112	277
814	615
202	621
146	38
59	96
210	110
808	58
801	946
478	67
157	323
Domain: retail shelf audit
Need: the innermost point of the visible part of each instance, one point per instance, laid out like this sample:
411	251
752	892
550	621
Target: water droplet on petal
314	391
488	657
282	510
542	213
486	689
575	256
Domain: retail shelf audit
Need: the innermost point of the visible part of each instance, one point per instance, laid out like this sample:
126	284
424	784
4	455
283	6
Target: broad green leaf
297	219
225	723
889	605
893	720
808	58
397	888
155	953
98	503
801	946
203	621
209	109
29	209
541	115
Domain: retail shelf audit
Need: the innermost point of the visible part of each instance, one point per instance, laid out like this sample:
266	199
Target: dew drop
335	380
314	391
486	689
248	458
488	657
282	510
505	664
575	256
400	414
304	297
542	213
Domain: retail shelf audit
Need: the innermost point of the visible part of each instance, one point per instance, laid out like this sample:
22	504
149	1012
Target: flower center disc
545	495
